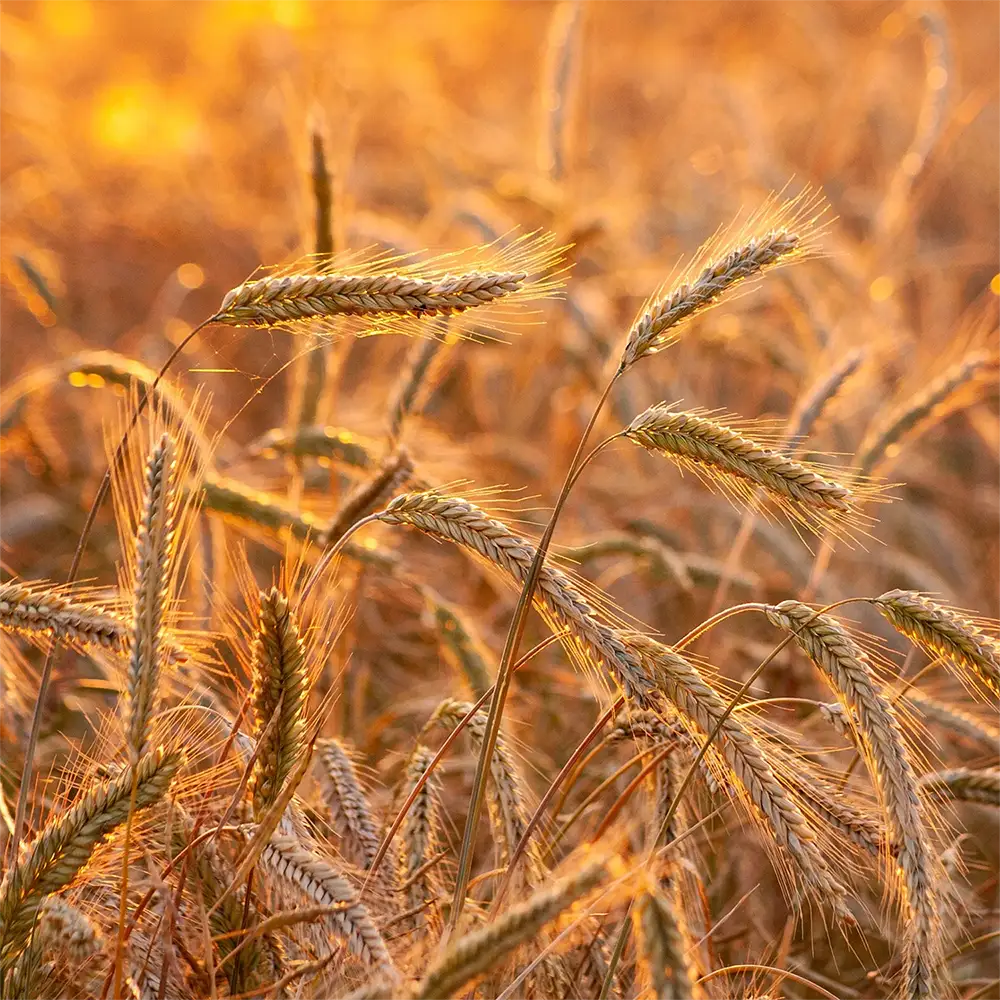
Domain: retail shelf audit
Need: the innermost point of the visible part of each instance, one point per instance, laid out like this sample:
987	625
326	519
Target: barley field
499	500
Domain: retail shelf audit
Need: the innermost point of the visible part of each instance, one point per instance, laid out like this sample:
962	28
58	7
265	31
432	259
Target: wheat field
499	500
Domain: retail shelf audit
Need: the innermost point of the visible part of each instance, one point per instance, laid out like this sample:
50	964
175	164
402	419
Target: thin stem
81	545
616	955
330	553
779	973
514	634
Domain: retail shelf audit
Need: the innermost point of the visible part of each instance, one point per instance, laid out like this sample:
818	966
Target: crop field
499	500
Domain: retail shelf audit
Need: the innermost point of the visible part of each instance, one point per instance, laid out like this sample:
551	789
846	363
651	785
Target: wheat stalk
846	666
942	631
67	841
460	521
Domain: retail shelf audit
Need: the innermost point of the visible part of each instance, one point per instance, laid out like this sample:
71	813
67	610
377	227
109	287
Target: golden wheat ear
67	841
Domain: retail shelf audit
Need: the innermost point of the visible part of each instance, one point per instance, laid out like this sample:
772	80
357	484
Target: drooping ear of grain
154	547
279	683
393	473
846	667
67	841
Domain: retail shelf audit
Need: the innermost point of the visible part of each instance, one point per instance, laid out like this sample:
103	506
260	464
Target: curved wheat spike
846	666
953	720
700	703
933	402
771	237
279	683
67	841
963	784
393	473
336	444
421	841
508	814
312	876
721	455
349	811
154	547
479	951
463	522
943	631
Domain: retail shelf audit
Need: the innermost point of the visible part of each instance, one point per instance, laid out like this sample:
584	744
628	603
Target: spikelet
345	799
154	547
661	953
65	844
846	666
943	631
460	643
720	455
397	294
963	784
310	875
460	521
814	401
772	236
477	952
423	362
507	793
279	683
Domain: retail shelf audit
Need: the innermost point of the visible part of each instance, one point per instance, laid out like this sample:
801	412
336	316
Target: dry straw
67	841
460	521
846	666
943	631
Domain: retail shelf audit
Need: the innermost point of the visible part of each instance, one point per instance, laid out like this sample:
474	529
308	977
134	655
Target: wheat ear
719	454
279	683
312	876
963	784
954	721
422	361
700	703
154	548
335	444
460	643
846	666
660	954
393	472
942	631
460	521
479	951
656	327
67	841
508	815
345	799
420	839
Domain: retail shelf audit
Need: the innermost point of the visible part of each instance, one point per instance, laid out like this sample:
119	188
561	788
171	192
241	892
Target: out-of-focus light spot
995	284
71	19
291	13
95	381
176	330
937	78
708	161
892	26
911	164
77	379
124	115
882	288
190	276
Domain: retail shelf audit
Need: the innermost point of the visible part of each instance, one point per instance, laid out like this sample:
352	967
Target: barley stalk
68	840
942	631
846	666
